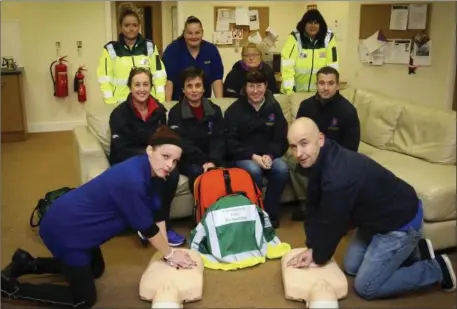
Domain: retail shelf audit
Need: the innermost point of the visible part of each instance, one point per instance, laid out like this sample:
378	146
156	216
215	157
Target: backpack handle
227	182
39	205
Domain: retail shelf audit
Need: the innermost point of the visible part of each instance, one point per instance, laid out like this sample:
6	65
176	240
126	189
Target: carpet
46	161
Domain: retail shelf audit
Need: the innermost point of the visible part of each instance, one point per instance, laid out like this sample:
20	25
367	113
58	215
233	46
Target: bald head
305	140
305	127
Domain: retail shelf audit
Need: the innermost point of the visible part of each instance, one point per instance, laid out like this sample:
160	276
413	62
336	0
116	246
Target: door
151	20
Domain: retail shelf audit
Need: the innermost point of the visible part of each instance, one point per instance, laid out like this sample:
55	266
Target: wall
41	25
284	16
431	86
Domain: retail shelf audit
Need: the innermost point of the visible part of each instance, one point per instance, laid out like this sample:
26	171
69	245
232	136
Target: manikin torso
180	286
319	287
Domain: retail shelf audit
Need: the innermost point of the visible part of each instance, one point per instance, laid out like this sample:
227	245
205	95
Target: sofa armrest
89	153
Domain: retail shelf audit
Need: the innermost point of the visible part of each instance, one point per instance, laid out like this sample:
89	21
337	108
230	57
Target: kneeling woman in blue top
83	219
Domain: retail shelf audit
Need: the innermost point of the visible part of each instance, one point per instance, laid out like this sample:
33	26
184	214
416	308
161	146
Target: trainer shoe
175	239
448	284
425	249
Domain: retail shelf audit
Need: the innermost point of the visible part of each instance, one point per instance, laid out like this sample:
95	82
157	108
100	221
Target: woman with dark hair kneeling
79	222
200	124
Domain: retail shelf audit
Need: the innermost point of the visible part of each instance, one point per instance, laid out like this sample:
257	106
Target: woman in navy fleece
85	218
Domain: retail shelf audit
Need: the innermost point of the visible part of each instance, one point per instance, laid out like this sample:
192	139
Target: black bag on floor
44	204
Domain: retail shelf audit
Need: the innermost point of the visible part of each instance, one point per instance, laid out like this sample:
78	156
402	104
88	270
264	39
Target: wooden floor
46	162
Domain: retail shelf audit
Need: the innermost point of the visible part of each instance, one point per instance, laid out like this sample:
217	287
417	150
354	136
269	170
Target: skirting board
54	126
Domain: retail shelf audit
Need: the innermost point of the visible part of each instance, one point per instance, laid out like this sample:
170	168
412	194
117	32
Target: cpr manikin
319	287
169	287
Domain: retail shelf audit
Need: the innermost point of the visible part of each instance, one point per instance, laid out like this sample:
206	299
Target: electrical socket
57	44
79	44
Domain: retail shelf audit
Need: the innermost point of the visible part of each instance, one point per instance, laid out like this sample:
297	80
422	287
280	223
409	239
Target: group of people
252	134
343	188
308	48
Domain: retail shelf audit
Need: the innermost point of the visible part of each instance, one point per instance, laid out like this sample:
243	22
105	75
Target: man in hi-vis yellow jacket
117	60
308	48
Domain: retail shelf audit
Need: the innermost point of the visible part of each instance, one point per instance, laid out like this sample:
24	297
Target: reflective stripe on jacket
116	62
301	60
234	233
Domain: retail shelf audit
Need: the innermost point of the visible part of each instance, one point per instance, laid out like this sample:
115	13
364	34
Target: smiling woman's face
141	87
193	34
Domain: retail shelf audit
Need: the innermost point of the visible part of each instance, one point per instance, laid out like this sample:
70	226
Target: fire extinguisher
60	78
78	85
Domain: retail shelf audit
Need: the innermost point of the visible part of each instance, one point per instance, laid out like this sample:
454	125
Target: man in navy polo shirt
191	50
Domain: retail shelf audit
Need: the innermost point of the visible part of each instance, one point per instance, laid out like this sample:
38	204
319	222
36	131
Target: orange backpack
220	182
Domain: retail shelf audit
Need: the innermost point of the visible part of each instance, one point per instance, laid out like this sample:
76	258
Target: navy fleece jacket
120	198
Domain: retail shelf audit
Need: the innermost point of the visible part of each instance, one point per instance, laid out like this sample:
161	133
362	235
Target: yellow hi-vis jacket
116	62
301	60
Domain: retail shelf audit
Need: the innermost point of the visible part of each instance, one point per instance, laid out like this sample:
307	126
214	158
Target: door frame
156	19
454	102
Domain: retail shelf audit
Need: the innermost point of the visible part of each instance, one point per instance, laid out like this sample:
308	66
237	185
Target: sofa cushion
97	117
295	99
283	101
348	93
366	149
223	103
434	183
426	133
378	116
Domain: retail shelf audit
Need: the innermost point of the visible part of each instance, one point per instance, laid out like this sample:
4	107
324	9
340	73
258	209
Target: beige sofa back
401	126
386	123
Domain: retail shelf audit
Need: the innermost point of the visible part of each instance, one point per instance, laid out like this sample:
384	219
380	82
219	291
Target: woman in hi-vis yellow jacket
308	48
131	50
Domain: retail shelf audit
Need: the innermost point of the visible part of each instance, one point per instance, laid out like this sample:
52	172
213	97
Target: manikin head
140	83
327	83
322	295
129	22
305	140
167	296
193	86
164	152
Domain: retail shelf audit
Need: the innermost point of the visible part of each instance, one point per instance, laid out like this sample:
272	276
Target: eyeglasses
253	55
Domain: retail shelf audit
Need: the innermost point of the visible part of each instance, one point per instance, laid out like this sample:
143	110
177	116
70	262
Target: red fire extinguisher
78	84
60	78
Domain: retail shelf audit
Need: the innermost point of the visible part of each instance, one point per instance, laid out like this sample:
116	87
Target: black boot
22	263
9	285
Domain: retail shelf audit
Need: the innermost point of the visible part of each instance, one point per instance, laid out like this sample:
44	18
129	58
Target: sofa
415	142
